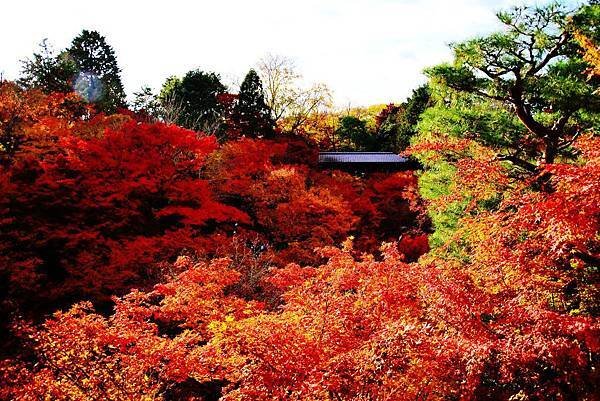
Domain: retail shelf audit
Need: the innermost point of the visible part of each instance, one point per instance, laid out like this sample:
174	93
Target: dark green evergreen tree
353	132
417	103
98	77
251	115
193	101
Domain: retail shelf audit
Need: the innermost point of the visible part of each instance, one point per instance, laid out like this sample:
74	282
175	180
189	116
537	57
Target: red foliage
94	207
95	215
549	238
348	330
146	349
540	239
299	209
388	205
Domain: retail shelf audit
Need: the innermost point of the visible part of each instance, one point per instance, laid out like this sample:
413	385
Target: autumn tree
513	237
98	77
534	68
514	316
284	95
348	329
296	207
139	351
110	200
294	216
21	110
320	128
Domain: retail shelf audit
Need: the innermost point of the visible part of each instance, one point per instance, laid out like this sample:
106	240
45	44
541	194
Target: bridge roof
361	157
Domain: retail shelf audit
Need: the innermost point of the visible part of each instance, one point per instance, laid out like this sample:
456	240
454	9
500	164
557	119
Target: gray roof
360	157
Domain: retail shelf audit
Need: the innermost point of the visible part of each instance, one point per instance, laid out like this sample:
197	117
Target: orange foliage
540	239
348	330
106	204
26	118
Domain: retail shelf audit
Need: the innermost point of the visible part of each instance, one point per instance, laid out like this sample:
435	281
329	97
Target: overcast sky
366	51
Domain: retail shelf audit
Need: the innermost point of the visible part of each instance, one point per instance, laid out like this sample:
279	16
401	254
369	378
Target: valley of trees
186	245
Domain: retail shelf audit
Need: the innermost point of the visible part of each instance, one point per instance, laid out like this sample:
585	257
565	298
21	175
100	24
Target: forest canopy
187	245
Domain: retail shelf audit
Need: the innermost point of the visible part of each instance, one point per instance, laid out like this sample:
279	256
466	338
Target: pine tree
251	114
98	79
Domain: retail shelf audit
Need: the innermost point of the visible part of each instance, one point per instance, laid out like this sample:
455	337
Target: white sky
366	51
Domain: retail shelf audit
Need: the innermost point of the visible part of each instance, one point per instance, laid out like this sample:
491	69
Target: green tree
396	125
462	115
417	103
98	79
193	101
353	131
48	71
251	114
533	68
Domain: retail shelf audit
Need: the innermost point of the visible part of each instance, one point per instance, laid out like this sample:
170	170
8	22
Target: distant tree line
528	91
270	98
393	126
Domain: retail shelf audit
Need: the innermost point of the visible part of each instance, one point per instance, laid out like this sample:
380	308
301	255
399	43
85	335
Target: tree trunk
551	143
548	135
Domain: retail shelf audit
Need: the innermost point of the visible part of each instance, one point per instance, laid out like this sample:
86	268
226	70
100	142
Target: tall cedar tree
251	114
97	70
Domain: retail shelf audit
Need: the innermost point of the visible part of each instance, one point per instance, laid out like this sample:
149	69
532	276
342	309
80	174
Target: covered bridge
365	161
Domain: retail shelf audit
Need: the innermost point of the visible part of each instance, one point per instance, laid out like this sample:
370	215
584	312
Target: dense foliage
192	101
142	260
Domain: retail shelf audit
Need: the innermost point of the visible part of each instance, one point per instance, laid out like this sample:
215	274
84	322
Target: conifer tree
98	79
534	68
251	114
